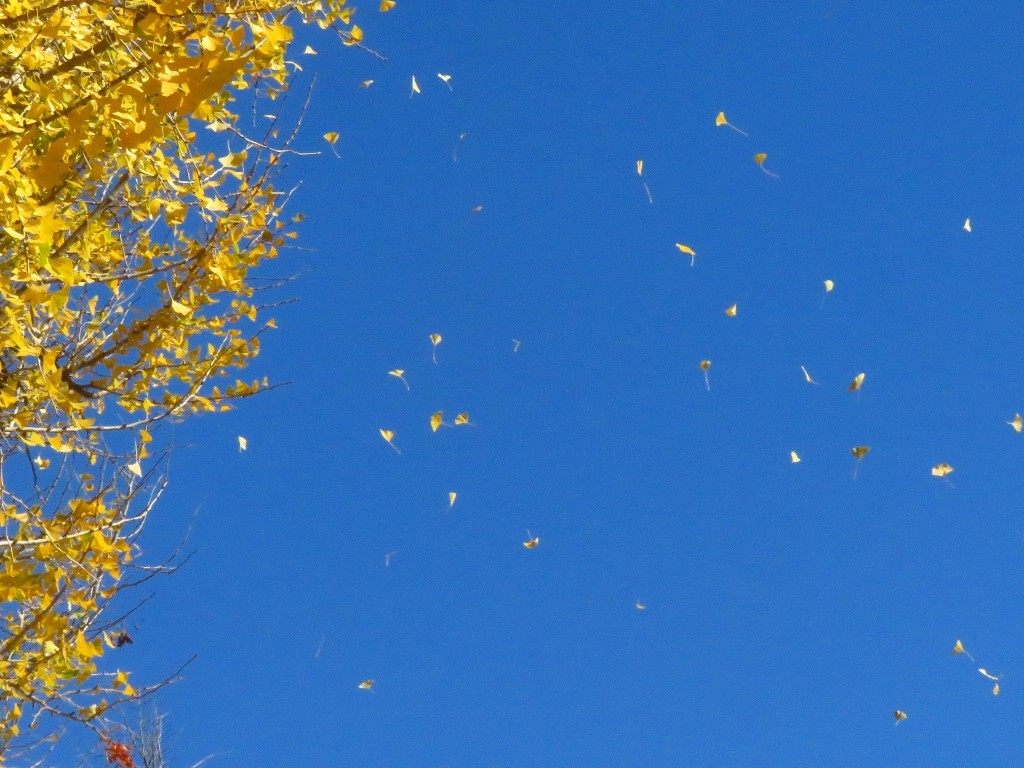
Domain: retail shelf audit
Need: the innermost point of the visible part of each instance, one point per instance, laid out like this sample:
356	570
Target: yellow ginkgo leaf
366	83
857	382
415	87
731	311
331	138
366	685
386	5
531	540
445	79
967	225
477	209
986	674
688	250
640	606
829	285
463	418
794	458
704	365
435	421
859	451
807	376
451	499
243	444
135	468
355	36
900	716
720	121
41	462
399	374
995	689
435	339
639	167
1017	423
958	648
388	436
941	470
759	158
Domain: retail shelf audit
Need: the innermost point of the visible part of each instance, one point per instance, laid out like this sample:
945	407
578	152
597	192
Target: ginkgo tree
125	295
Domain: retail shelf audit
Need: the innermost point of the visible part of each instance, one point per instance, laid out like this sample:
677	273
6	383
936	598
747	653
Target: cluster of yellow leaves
124	291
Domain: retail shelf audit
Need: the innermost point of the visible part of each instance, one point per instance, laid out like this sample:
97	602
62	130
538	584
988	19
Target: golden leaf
995	689
720	121
794	458
857	382
367	685
435	421
1017	423
435	339
958	647
386	5
243	444
462	418
900	716
415	87
366	83
445	79
967	228
354	37
640	606
731	311
388	436
639	167
860	451
530	543
451	499
941	470
829	285
399	374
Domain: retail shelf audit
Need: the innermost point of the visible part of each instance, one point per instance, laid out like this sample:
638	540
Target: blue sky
790	608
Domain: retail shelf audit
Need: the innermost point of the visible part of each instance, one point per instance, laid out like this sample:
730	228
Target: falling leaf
366	685
986	674
640	606
463	418
477	209
900	716
759	158
435	421
720	121
639	167
366	83
515	345
967	225
386	5
829	285
451	499
794	458
242	443
704	365
331	138
959	648
941	470
41	462
444	79
731	311
135	468
807	376
399	374
995	689
857	382
687	249
435	339
455	152
415	87
531	540
387	558
1017	423
388	436
859	451
309	51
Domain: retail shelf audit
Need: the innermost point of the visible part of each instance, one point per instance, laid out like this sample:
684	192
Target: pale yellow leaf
967	225
900	716
366	83
415	87
829	285
986	673
857	382
135	468
451	499
807	376
309	51
793	457
243	444
1017	423
639	167
367	685
941	470
388	436
445	79
731	311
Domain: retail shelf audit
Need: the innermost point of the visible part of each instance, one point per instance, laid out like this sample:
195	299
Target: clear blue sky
790	608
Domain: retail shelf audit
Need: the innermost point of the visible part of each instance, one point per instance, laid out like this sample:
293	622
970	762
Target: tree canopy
134	206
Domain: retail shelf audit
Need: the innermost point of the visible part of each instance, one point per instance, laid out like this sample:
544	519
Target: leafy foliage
125	289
